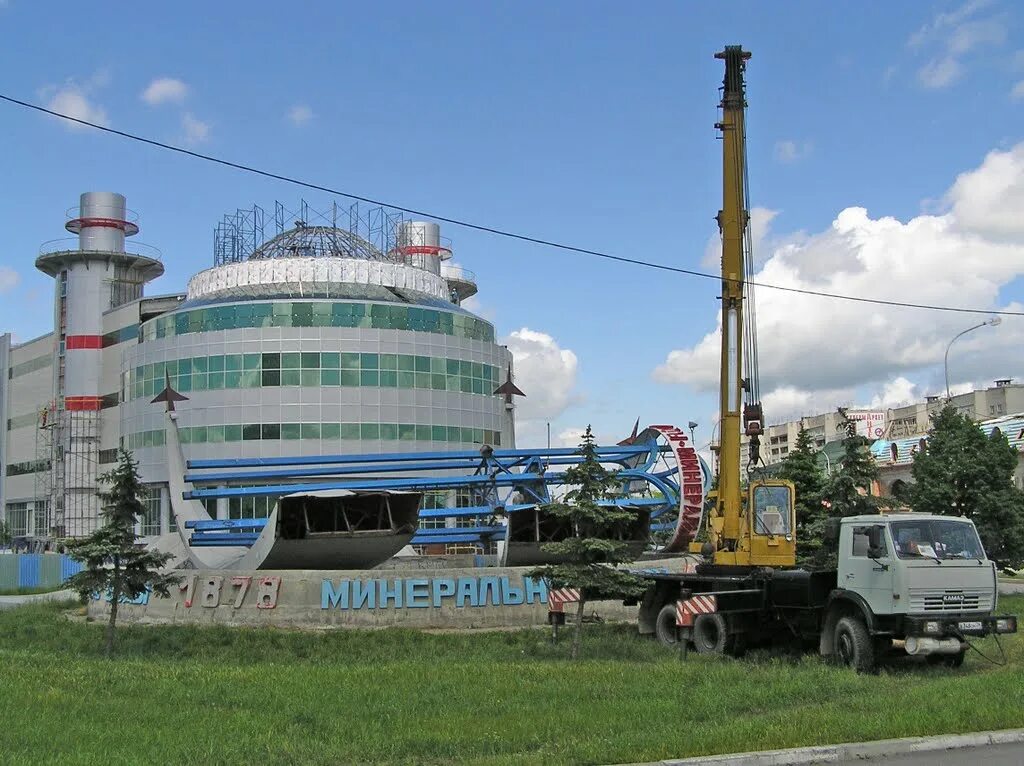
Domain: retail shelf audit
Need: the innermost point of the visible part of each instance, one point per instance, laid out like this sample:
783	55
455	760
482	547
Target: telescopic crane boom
753	527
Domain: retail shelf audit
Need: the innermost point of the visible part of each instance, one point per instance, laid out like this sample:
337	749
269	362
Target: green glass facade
239	432
323	369
378	316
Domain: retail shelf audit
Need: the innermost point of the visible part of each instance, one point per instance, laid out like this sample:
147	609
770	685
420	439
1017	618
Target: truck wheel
711	634
853	646
665	629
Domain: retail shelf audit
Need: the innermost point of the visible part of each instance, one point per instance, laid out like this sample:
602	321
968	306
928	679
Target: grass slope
182	694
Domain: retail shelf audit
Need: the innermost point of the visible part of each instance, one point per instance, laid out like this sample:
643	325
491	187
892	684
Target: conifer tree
595	545
115	564
963	472
801	467
847	490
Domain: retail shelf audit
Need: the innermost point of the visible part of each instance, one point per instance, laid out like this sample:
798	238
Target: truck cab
918	578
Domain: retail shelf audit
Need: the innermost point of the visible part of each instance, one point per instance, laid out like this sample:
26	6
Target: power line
490	229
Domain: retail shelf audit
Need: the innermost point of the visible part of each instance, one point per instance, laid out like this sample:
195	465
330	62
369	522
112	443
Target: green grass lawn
182	694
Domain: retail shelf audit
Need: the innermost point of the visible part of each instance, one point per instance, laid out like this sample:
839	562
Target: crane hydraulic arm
753	527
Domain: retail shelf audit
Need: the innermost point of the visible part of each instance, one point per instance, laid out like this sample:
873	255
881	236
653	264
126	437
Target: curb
9	602
853	751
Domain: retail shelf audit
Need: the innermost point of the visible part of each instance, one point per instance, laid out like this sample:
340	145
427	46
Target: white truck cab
920	578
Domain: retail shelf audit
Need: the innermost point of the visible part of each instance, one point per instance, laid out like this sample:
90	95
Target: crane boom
757	527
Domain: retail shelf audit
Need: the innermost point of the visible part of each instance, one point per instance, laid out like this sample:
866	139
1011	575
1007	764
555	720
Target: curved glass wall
325	369
378	316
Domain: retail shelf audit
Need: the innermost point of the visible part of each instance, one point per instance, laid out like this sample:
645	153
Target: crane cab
766	530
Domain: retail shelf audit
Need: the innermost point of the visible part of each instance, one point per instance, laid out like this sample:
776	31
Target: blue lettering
442	589
331	598
538	588
489	584
466	588
510	596
364	594
417	593
392	593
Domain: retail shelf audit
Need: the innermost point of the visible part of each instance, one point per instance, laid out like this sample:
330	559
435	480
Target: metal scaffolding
369	233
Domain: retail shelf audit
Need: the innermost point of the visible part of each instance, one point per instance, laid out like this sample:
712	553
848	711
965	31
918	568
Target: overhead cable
491	229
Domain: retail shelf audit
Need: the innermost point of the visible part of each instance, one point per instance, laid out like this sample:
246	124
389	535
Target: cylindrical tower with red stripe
92	278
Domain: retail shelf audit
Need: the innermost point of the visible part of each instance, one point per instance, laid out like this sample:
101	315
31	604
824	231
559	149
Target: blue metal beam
216	524
434	540
417	456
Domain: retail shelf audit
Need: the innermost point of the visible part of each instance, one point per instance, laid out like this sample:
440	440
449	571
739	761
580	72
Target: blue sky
588	123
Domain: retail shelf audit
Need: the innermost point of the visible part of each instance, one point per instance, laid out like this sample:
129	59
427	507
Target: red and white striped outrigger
559	597
688	609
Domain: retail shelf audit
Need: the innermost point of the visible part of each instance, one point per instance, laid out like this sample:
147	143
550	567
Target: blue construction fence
35	570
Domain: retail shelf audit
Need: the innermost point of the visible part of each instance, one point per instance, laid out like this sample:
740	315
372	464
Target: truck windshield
934	538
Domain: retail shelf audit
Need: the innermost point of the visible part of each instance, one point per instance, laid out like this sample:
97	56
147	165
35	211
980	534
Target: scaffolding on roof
355	232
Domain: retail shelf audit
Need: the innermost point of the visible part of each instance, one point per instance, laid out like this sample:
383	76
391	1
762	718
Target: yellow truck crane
920	583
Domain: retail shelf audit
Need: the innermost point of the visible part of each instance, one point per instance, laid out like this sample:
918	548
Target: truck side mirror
876	542
831	532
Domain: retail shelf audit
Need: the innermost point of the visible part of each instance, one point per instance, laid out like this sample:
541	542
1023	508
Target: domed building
306	337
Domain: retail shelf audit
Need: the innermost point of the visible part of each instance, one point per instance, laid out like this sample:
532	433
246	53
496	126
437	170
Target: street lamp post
993	322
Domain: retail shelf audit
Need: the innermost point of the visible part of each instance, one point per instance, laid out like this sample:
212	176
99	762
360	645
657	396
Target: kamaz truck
918	579
918	583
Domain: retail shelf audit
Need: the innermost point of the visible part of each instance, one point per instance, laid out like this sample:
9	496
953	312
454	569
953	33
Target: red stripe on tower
76	342
82	403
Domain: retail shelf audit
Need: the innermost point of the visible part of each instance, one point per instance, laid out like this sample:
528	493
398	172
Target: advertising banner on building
870	424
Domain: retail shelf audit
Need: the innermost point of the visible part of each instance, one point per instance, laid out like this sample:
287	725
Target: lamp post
692	425
993	322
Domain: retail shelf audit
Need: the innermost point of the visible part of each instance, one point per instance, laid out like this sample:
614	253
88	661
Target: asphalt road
990	755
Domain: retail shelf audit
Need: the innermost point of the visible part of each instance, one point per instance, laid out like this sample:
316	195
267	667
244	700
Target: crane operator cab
772	515
765	533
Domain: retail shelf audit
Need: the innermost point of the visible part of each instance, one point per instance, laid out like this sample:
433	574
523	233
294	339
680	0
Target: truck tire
711	634
665	629
853	646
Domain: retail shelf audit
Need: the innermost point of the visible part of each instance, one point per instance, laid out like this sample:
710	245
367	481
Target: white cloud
545	372
165	90
299	114
196	131
792	151
1018	91
895	393
73	100
938	73
950	37
9	279
816	352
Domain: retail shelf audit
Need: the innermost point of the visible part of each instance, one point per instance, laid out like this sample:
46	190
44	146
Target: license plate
970	625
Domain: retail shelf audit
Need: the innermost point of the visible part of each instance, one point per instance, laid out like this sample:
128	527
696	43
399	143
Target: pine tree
962	472
594	548
801	467
847	490
114	562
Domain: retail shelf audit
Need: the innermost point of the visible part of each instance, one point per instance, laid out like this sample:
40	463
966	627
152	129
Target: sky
885	145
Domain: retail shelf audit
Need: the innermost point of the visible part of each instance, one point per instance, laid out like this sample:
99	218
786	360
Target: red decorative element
75	225
691	488
557	598
422	249
689	608
82	403
75	342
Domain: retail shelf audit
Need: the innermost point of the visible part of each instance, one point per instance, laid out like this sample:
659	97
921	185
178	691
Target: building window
251	507
19	517
151	514
434	501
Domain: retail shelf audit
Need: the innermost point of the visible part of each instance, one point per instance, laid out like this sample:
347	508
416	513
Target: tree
114	562
801	467
848	489
963	472
594	547
5	533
